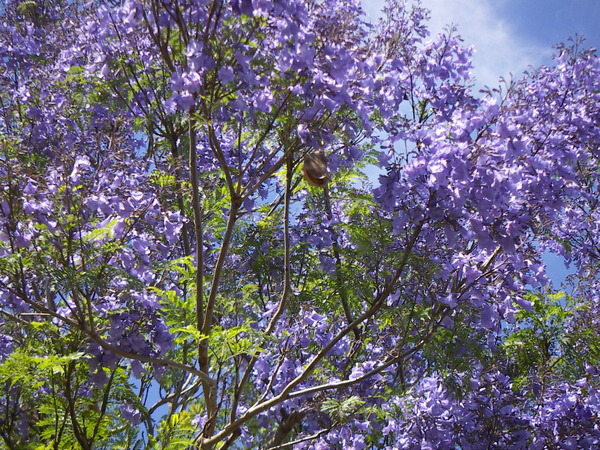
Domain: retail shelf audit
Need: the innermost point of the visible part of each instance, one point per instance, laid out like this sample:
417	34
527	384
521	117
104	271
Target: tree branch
286	393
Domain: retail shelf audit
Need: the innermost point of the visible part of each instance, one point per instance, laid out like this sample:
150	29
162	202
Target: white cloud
499	50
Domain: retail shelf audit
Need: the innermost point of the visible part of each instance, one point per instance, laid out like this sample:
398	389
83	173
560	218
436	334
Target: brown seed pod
315	168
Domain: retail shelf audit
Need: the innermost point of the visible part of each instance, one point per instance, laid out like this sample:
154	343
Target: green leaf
342	410
101	233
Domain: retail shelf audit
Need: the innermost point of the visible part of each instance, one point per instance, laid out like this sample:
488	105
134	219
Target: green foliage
550	342
234	341
34	371
34	379
453	352
177	431
342	410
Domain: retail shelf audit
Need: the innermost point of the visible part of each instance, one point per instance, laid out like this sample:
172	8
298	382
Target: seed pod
315	170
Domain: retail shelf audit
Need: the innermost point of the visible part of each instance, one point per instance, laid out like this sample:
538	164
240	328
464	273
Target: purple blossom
131	414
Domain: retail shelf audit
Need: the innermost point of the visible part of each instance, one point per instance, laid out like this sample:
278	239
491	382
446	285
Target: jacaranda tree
169	280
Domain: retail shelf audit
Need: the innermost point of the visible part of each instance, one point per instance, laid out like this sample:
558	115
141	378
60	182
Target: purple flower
131	414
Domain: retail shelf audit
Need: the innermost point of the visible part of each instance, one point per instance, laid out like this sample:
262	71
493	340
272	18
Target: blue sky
511	35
